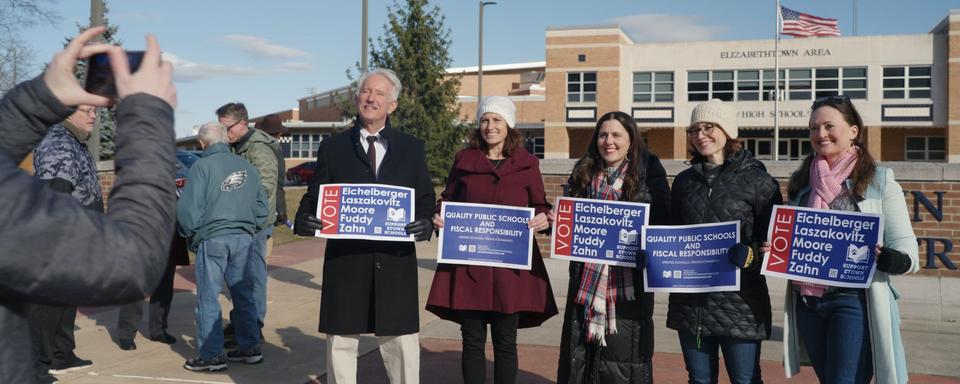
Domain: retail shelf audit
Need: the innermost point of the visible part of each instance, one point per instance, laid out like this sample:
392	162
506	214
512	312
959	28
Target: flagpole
776	87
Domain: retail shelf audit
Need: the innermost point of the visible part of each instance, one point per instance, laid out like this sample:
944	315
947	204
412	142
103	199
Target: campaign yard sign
486	234
822	246
598	231
365	211
691	258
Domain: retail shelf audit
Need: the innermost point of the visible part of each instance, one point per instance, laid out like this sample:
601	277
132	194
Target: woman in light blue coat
849	334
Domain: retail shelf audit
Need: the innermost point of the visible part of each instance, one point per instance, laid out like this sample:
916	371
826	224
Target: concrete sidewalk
294	350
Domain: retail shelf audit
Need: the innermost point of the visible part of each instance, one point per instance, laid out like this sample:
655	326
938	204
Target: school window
652	87
582	87
305	146
925	148
748	85
760	84
906	82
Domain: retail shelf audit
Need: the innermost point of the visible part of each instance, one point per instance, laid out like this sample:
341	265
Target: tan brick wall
527	111
595	57
599	39
494	83
325	113
660	142
893	147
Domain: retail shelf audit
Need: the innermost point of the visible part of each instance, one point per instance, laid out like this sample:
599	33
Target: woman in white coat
849	334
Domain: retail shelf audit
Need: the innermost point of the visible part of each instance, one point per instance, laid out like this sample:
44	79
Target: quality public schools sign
691	258
598	231
365	211
486	234
822	246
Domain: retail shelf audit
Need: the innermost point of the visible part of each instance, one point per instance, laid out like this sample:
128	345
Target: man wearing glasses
63	161
260	149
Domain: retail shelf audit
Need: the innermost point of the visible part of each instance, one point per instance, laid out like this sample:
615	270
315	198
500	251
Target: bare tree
17	61
18	14
16	64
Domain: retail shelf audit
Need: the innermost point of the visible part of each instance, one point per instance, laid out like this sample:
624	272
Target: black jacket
55	252
742	191
627	357
371	286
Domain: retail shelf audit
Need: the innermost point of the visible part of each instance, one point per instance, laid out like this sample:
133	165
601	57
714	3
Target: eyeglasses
706	128
830	100
88	111
232	125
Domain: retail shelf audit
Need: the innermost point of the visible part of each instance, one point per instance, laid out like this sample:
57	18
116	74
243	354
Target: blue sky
267	54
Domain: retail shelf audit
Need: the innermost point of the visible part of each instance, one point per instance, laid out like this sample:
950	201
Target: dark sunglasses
830	100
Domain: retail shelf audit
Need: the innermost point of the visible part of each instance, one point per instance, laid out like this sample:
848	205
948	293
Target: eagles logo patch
234	181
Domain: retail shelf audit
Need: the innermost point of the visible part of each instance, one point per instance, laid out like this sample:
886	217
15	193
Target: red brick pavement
440	363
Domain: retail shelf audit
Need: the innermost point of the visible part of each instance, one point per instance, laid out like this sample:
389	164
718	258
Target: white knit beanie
500	105
717	112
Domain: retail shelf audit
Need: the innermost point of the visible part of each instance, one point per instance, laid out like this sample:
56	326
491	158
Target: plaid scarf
602	285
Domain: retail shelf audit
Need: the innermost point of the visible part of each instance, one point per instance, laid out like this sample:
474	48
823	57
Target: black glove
421	229
307	225
281	219
740	255
893	261
641	260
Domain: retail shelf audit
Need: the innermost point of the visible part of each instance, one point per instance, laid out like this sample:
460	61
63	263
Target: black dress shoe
127	344
164	338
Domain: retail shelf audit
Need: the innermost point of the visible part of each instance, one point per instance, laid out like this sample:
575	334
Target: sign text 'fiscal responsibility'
486	234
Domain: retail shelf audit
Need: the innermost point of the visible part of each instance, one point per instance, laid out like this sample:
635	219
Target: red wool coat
517	182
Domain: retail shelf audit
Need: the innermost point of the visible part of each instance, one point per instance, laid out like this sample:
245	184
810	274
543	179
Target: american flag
803	25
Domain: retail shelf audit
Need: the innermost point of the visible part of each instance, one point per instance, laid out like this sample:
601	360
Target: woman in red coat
495	169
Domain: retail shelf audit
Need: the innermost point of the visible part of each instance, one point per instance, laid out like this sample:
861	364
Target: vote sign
598	231
827	247
365	211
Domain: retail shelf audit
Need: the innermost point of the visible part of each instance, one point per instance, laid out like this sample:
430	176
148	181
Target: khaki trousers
401	358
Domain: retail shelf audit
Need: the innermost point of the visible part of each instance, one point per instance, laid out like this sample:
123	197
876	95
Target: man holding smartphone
54	251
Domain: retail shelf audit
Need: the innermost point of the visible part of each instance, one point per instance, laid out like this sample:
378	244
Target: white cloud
650	27
189	71
260	48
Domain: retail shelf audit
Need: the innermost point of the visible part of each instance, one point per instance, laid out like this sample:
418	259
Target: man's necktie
372	153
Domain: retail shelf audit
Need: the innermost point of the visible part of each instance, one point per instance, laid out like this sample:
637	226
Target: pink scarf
826	183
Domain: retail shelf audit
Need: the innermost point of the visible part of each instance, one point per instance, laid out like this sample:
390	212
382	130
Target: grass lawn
283	234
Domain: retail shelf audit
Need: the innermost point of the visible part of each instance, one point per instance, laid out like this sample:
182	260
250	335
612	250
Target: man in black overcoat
371	286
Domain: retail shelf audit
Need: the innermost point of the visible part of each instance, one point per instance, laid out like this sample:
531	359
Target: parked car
301	174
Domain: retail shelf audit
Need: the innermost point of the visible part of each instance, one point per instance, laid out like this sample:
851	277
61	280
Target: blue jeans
836	334
257	273
742	358
224	258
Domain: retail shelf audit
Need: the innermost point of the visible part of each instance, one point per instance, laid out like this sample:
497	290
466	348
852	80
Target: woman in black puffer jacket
724	183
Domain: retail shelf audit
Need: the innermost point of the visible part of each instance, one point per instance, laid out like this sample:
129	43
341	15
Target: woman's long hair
592	164
510	143
866	166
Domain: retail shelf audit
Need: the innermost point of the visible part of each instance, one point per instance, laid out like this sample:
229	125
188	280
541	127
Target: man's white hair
212	133
391	77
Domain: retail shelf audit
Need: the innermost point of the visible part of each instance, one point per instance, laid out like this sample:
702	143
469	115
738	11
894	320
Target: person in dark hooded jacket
616	166
54	251
724	183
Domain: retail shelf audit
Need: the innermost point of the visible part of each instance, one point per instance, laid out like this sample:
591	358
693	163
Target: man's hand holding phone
153	77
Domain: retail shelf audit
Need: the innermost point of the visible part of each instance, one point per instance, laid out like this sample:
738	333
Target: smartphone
100	74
